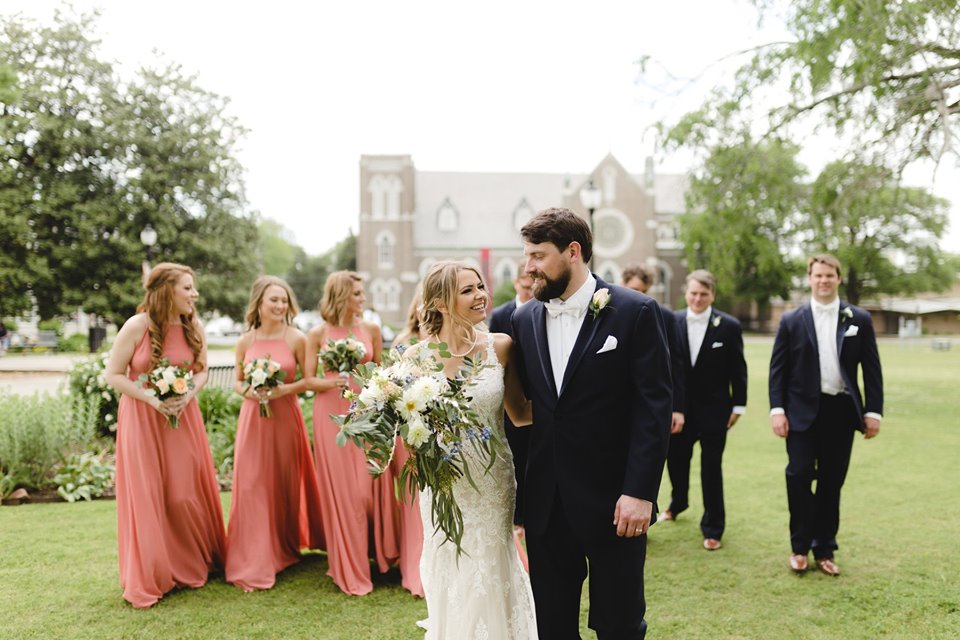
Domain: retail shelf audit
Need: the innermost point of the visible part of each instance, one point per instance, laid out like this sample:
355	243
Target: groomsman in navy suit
594	361
517	437
715	371
816	405
640	279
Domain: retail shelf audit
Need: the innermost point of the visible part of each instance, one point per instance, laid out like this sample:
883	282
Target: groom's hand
632	516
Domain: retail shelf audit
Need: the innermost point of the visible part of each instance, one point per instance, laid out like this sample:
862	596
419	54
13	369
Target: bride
484	593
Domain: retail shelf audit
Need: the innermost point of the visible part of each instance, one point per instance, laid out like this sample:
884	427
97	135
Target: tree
886	75
279	251
859	213
744	204
88	160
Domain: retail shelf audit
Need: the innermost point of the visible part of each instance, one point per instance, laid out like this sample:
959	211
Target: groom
597	370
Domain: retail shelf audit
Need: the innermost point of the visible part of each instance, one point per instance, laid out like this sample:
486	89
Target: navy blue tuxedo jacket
795	365
500	317
718	382
605	432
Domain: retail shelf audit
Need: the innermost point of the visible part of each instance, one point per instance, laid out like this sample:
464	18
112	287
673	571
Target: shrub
77	343
39	431
221	409
87	475
51	324
86	379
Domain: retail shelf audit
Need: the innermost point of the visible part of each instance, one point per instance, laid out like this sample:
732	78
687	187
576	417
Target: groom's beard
545	289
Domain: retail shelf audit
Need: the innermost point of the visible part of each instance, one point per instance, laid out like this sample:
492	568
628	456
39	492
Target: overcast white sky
518	85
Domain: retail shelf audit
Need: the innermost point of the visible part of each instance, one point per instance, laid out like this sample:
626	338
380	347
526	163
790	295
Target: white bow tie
698	319
556	309
822	310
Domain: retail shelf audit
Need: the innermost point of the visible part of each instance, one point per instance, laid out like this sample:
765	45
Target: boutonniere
716	321
846	313
599	302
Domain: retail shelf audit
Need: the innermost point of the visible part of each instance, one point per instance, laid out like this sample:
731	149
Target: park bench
45	340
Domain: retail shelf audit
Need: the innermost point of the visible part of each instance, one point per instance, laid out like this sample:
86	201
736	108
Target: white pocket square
716	345
609	345
851	331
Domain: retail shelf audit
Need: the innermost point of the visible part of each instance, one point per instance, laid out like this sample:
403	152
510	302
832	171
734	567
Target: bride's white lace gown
486	594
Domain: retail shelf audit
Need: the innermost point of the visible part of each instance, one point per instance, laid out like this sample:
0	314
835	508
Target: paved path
31	373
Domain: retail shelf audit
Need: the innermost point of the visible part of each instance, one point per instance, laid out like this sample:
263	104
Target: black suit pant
822	454
558	566
712	444
519	440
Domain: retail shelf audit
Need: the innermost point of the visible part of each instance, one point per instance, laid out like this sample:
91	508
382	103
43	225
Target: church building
410	219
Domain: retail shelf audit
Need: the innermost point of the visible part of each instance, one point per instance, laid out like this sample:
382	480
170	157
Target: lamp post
590	198
149	238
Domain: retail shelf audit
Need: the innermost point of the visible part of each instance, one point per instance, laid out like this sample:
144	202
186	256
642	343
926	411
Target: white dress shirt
562	330
696	330
825	318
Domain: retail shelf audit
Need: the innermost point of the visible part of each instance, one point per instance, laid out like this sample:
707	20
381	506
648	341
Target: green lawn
898	538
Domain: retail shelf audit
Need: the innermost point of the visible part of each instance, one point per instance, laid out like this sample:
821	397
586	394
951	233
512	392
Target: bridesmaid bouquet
167	381
413	399
342	355
263	373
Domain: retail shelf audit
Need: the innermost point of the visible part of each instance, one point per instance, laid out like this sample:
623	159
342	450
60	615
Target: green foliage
882	75
277	248
307	277
862	215
504	293
77	343
85	476
51	324
86	380
38	431
744	203
221	410
88	160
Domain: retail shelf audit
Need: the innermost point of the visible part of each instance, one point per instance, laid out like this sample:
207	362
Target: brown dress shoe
828	566
711	544
665	516
798	562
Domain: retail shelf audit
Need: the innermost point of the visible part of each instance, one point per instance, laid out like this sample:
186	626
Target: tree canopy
885	76
90	159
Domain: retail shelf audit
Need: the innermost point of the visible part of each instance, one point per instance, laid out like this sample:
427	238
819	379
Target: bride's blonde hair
440	290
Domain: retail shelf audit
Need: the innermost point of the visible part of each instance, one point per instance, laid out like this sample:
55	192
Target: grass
898	539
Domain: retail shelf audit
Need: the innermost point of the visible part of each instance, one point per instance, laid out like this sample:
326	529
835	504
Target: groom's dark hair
561	227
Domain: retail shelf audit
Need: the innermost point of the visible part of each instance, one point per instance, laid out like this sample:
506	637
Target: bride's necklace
469	349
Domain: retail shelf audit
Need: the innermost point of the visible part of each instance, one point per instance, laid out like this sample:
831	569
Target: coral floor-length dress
275	509
362	517
169	517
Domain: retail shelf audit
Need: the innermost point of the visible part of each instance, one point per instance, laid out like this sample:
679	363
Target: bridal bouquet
342	356
413	399
263	373
167	381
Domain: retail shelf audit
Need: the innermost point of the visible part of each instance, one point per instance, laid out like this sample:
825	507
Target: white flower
169	375
600	300
258	377
247	368
163	386
371	394
417	432
716	321
847	313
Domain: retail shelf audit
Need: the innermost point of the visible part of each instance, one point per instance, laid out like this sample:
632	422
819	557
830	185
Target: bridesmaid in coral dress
362	518
275	509
169	518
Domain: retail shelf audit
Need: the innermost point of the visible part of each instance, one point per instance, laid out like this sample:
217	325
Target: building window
393	187
393	289
447	217
379	294
522	214
386	250
378	203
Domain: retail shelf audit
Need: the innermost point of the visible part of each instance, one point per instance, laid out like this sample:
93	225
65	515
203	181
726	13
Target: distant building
410	219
